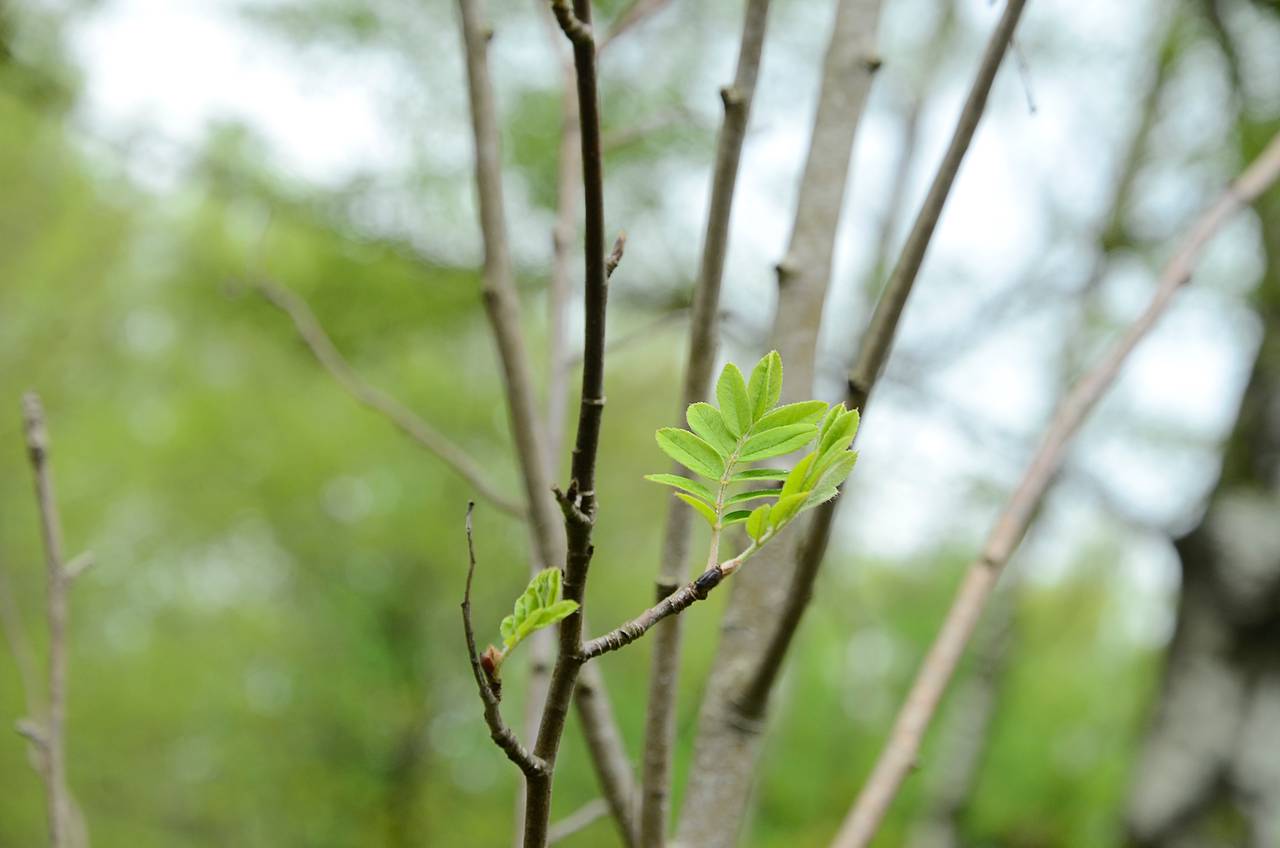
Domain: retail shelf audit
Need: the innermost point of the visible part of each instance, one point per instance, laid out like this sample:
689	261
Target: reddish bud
491	662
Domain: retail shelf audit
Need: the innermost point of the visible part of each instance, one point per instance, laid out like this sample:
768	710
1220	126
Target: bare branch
580	500
673	604
502	735
873	352
902	748
639	334
426	436
722	775
703	344
503	308
52	736
31	732
628	135
501	301
608	752
579	819
577	29
884	321
636	12
568	170
79	565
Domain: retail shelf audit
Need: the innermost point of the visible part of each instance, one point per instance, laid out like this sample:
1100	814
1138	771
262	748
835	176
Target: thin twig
579	503
902	748
568	176
326	353
874	350
580	819
54	727
502	735
884	321
599	724
673	604
501	302
642	333
724	766
578	29
703	344
636	12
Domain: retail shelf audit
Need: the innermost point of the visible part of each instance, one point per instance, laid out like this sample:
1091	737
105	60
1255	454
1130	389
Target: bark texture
1209	773
723	772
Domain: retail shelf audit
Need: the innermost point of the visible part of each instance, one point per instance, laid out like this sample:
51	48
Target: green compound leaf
837	469
703	509
777	441
735	517
766	384
759	474
786	509
538	607
753	495
796	479
827	420
693	487
840	434
805	412
735	406
758	521
691	452
705	420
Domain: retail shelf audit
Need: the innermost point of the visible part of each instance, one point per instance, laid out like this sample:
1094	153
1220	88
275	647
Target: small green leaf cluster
540	606
749	426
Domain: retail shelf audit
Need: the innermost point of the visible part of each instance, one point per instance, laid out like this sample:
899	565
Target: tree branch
501	302
579	503
673	604
902	748
579	819
52	734
663	676
635	13
724	756
502	735
426	436
873	352
599	725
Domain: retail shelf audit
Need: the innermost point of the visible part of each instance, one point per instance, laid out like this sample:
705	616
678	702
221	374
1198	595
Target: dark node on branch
487	34
615	255
707	581
873	63
730	97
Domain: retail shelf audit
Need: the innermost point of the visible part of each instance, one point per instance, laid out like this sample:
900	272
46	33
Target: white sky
159	72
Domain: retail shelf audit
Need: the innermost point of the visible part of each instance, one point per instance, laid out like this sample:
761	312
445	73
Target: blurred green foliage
269	651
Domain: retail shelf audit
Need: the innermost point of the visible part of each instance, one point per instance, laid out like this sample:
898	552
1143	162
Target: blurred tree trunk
1209	773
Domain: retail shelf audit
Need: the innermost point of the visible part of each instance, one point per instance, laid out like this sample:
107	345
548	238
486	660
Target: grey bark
727	746
703	343
1212	752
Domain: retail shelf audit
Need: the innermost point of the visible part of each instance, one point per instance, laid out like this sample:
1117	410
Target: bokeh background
268	651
